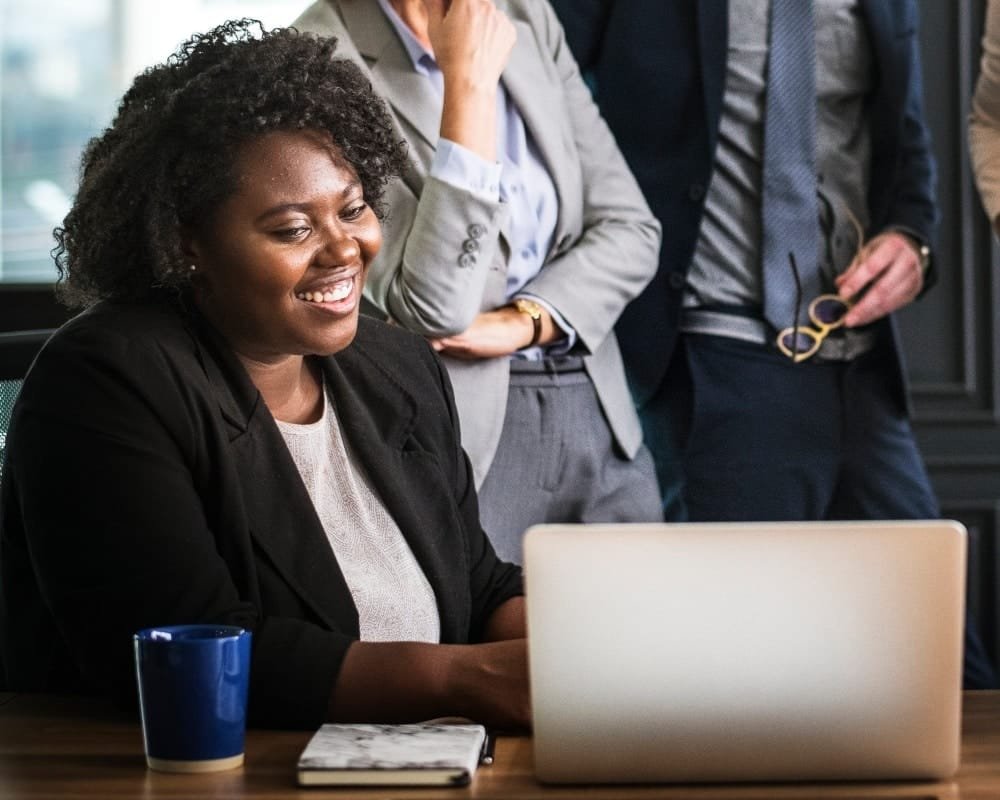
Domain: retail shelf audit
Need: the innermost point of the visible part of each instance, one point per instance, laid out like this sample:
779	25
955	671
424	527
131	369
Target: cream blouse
394	599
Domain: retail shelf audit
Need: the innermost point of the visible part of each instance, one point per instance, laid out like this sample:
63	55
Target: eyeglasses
826	312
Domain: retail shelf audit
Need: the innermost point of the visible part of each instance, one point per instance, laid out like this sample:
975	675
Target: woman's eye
355	211
293	234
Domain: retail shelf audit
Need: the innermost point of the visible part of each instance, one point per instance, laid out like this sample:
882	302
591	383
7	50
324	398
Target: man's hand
888	271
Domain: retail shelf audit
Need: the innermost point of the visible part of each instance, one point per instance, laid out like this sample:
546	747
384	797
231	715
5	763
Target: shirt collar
419	55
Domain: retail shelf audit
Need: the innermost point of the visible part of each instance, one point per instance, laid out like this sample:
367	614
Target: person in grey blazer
513	242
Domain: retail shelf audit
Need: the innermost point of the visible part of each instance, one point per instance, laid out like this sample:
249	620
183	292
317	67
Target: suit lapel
879	16
280	515
880	19
713	38
392	70
377	416
283	521
539	104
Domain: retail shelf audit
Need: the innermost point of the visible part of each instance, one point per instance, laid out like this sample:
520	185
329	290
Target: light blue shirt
520	179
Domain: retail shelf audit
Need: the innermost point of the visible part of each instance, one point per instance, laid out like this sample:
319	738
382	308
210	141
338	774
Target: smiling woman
241	447
281	266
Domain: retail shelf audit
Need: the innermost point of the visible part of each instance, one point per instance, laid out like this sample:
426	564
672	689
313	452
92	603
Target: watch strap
533	310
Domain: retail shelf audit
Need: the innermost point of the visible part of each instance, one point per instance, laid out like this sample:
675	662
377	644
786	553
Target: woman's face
281	265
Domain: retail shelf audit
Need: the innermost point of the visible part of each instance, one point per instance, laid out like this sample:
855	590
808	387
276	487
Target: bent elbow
432	320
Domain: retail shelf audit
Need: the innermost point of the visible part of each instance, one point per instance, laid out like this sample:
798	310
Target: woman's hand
472	41
411	681
497	333
491	682
492	334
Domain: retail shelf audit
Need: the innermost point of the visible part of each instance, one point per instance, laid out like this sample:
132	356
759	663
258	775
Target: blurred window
63	66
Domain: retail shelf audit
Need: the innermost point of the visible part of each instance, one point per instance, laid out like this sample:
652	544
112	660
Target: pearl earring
194	268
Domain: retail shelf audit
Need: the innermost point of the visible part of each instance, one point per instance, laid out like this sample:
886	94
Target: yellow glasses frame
819	329
817	334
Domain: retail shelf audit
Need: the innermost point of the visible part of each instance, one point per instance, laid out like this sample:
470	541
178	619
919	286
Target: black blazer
660	67
146	483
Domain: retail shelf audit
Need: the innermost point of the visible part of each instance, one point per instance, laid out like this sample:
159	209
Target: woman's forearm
469	117
471	42
409	681
507	621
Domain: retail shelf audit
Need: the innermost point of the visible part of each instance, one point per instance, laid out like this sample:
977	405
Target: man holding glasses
782	144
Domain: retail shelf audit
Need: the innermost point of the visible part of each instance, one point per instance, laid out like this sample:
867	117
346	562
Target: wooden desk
59	747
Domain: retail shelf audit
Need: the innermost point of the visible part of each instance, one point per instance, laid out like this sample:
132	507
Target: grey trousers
557	460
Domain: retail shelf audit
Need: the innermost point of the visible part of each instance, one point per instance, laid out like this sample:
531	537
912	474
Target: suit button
696	191
676	280
476	231
470	245
466	260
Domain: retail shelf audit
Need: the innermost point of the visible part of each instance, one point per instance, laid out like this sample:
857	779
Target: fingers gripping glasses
826	312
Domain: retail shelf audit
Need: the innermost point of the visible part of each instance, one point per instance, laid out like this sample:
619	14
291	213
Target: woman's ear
190	248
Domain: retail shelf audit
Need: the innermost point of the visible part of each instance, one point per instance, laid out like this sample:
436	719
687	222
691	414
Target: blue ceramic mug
193	684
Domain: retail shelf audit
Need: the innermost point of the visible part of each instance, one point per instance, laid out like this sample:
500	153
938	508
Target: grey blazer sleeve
606	241
423	278
614	243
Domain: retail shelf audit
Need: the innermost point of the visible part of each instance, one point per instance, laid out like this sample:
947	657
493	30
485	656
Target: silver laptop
746	651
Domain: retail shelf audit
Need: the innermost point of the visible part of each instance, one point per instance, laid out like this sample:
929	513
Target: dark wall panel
952	334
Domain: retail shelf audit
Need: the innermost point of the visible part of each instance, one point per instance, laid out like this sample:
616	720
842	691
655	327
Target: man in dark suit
783	147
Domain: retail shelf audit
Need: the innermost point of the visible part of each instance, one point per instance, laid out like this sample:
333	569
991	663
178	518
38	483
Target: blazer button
696	191
470	245
676	280
476	231
466	260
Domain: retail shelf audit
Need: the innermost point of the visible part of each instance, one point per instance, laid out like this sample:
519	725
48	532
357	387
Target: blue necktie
788	201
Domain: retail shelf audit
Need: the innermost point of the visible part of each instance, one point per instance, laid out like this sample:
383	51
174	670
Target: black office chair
17	350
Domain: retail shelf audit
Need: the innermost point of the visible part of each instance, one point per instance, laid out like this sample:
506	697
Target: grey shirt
726	268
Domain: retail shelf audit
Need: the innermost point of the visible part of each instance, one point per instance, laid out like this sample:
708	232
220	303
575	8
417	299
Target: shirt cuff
463	169
917	238
560	346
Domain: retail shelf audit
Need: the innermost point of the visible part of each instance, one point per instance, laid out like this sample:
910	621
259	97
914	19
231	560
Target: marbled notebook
419	754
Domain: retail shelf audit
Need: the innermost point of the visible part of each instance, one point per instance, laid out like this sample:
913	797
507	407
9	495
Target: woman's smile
336	295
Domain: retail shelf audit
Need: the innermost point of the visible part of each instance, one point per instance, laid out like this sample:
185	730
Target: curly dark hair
166	160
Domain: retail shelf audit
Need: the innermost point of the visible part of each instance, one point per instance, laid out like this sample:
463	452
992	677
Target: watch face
925	257
528	307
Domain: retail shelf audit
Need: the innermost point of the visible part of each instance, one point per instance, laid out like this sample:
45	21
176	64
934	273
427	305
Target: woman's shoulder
110	360
109	329
133	341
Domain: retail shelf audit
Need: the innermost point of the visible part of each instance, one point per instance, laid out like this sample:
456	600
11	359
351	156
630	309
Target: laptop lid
745	651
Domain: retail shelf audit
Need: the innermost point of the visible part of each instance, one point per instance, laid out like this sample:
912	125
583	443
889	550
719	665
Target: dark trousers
739	432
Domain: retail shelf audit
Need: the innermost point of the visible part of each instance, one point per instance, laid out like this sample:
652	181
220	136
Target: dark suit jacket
146	483
659	67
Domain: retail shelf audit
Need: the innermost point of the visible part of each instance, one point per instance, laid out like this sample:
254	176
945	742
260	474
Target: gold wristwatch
533	310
